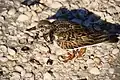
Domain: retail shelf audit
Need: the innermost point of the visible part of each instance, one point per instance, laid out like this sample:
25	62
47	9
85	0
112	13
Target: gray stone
12	12
23	18
94	71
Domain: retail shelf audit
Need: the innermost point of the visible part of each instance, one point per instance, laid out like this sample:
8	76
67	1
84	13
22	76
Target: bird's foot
75	54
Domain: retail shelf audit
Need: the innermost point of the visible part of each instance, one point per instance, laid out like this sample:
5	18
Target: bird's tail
113	38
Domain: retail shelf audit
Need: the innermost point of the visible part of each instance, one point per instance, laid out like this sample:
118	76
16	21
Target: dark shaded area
32	2
88	20
50	61
25	48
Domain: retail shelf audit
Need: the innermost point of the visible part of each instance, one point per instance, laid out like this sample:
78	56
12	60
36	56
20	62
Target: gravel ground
23	57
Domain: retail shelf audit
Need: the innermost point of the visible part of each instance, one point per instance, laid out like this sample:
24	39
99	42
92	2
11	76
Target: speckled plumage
71	35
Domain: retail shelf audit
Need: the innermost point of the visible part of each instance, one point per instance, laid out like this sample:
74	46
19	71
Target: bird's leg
75	54
81	52
69	56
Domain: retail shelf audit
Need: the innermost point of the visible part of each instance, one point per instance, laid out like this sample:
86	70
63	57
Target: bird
70	35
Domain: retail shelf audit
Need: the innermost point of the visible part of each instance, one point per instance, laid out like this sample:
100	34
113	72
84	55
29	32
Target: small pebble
90	61
28	75
24	60
23	72
19	68
35	18
43	48
28	13
55	5
22	41
22	18
11	52
3	59
97	60
2	18
3	48
16	73
10	57
12	11
22	9
47	76
15	76
94	71
115	51
111	70
5	69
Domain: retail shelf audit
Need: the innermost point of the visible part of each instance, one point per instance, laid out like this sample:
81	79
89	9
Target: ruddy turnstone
70	35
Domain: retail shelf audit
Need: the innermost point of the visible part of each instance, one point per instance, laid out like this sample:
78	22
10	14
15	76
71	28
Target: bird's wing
74	38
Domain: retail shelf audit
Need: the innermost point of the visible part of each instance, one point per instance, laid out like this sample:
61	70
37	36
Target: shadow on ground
87	19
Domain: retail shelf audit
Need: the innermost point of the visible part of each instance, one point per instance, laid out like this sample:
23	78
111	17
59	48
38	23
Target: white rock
33	24
22	9
12	12
115	51
106	66
53	57
34	13
5	69
10	57
45	59
49	1
24	60
55	5
4	13
109	46
19	68
47	76
16	73
11	52
38	9
17	3
31	78
15	76
109	18
28	75
30	39
3	59
97	60
23	72
22	18
28	13
35	18
43	16
3	48
42	48
90	61
22	41
2	18
111	70
74	77
111	10
117	8
28	68
94	71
